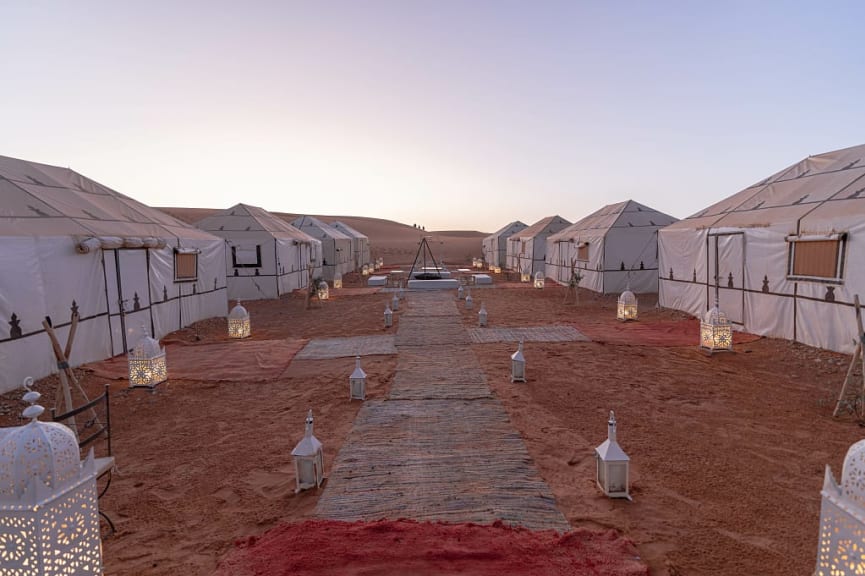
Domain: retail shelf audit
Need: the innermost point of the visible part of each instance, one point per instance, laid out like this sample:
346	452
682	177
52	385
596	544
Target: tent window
244	257
185	266
523	248
583	252
817	259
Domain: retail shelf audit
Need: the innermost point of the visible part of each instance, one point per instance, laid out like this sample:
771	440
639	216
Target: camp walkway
441	446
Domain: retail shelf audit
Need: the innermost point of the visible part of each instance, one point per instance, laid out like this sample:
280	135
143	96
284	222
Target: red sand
390	547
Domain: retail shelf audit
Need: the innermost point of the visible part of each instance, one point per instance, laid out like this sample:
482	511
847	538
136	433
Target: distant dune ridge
394	242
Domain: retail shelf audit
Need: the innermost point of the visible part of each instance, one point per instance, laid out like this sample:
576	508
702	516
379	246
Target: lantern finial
309	422
611	427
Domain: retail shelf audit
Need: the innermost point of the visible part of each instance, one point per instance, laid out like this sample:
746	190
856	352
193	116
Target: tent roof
246	218
313	222
627	214
824	184
348	230
513	228
43	200
540	227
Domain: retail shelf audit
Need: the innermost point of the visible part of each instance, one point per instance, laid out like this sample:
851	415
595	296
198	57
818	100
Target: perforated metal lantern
627	306
482	316
716	333
518	365
461	293
357	382
388	316
322	290
470	303
238	322
497	270
308	459
49	511
365	270
841	548
612	464
337	281
525	276
147	363
539	280
394	302
492	267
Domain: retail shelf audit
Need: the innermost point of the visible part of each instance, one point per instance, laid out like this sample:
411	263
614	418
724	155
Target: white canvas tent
614	248
786	253
359	244
71	243
526	251
495	246
336	256
265	255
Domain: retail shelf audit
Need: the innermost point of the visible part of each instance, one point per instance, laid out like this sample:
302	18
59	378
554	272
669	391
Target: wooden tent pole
858	355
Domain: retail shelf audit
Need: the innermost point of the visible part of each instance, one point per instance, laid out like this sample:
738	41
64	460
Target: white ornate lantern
308	459
612	464
388	316
394	303
322	290
715	331
492	267
337	281
365	270
238	322
539	279
461	292
841	548
525	276
357	382
470	303
49	512
627	306
482	316
497	269
518	365
147	364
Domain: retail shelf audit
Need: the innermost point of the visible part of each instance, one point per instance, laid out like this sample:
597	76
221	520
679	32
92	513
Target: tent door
128	286
726	272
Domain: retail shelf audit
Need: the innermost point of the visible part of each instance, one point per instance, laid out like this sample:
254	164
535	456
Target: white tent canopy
526	250
495	246
336	257
71	243
359	244
782	254
614	249
266	256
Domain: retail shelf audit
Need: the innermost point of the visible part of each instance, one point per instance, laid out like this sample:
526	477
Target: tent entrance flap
128	296
726	270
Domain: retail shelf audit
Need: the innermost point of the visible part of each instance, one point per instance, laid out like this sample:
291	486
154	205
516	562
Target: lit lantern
498	269
365	270
394	303
842	518
322	291
388	316
518	365
482	315
470	303
49	511
147	365
525	276
337	280
715	331
539	279
357	382
492	267
461	292
308	459
238	322
627	306
612	464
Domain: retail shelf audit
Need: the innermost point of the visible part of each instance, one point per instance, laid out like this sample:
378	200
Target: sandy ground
727	451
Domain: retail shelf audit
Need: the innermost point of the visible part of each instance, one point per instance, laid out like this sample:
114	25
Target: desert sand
728	451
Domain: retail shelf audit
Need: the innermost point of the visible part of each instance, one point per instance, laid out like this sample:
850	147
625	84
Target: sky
452	115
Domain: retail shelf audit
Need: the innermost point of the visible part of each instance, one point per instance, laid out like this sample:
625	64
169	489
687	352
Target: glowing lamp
365	270
612	464
627	306
357	382
49	512
238	322
518	365
322	290
525	276
716	334
539	279
308	459
337	280
842	518
482	316
388	316
147	364
497	269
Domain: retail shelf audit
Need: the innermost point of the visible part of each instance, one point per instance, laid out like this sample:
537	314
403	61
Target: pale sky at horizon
452	115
